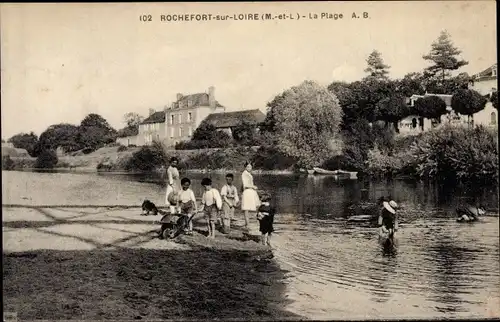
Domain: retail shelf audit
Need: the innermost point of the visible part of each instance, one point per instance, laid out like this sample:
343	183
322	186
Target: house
228	121
485	83
414	124
151	129
186	113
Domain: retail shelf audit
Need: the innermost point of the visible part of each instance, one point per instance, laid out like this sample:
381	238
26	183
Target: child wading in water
230	199
211	205
265	215
187	203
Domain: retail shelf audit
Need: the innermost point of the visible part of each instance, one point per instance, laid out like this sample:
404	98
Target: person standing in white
173	185
249	199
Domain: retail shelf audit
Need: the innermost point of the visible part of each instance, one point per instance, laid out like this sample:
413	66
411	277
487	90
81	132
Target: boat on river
339	173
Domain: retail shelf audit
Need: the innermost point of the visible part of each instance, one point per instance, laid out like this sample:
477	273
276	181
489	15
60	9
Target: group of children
218	207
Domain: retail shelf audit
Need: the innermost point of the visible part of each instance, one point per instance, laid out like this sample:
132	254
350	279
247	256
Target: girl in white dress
173	185
250	199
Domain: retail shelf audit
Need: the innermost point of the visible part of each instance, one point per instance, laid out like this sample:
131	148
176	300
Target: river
441	269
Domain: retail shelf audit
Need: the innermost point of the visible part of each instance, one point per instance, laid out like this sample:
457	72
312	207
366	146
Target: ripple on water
440	266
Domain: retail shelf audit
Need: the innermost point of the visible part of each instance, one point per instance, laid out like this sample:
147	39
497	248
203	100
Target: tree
95	132
376	68
494	99
443	55
392	109
132	119
207	136
25	141
245	133
410	84
59	135
307	117
431	107
468	102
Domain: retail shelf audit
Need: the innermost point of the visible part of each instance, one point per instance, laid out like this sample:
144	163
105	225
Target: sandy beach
101	263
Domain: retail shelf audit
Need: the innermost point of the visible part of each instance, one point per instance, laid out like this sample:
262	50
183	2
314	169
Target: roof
232	119
445	97
156	117
198	99
486	74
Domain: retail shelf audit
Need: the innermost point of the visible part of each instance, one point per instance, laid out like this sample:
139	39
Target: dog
149	208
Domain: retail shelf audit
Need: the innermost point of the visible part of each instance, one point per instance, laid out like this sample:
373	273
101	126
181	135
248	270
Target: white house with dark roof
187	112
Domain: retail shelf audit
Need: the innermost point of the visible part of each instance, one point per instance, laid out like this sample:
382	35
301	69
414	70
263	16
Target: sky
60	62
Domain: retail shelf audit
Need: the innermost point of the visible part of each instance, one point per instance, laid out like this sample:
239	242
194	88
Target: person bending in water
387	220
469	213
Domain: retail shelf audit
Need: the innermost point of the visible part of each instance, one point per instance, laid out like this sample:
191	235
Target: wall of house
408	126
485	86
150	132
487	117
129	140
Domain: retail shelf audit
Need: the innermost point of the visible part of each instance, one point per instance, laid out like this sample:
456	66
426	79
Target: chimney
151	111
211	96
179	96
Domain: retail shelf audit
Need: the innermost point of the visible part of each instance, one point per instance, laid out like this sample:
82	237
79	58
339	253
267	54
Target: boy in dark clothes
265	215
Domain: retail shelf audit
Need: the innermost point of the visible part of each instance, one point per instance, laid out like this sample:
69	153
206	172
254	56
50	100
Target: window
179	116
494	72
493	118
172	119
190	131
190	117
172	132
414	123
180	131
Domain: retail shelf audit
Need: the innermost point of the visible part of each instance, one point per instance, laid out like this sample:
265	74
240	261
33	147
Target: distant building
414	124
485	83
228	121
187	112
152	128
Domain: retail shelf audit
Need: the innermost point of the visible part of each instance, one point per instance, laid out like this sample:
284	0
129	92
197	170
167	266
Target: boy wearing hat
387	221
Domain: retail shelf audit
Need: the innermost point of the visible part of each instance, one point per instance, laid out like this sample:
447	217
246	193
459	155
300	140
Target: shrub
7	163
47	159
447	153
147	159
122	148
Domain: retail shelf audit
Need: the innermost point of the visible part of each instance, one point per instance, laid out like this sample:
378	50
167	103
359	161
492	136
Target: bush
447	153
122	148
47	159
232	159
147	158
7	163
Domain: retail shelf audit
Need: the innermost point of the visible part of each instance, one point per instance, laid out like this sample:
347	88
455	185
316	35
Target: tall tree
377	69
307	117
59	135
94	132
468	102
410	84
25	141
444	57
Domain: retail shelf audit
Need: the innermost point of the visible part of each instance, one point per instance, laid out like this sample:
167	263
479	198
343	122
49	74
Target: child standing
187	203
230	199
265	215
388	222
211	204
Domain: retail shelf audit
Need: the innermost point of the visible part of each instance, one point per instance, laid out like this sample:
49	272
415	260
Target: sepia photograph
250	161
